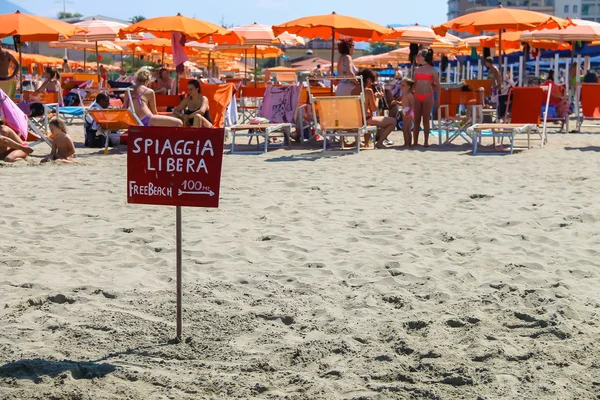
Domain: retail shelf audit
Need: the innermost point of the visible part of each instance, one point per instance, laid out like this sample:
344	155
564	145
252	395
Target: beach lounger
9	87
590	103
50	102
529	104
455	126
279	108
340	117
113	120
248	102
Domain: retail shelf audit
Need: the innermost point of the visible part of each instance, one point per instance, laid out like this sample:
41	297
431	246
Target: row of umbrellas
24	27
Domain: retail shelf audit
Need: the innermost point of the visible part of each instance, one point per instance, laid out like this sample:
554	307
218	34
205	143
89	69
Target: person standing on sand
6	59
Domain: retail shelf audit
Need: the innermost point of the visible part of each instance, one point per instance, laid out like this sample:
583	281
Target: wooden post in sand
178	167
179	273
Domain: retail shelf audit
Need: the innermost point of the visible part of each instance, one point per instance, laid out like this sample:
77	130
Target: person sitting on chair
91	126
144	102
194	109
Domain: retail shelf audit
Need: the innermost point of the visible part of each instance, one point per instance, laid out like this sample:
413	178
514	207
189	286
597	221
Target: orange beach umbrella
500	19
31	28
333	26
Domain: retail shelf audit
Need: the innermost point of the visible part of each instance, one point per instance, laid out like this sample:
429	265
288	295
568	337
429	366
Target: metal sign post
175	167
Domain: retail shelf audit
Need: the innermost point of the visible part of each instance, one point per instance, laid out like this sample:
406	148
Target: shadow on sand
35	368
586	148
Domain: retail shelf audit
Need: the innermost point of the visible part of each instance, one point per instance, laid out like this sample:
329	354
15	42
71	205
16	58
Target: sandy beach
392	274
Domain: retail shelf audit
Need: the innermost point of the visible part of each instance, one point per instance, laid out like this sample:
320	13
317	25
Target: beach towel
178	50
279	103
13	116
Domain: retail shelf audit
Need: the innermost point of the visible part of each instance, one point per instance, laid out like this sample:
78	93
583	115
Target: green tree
67	15
137	18
378	48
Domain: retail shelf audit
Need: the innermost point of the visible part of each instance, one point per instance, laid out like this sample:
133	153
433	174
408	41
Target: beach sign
178	167
174	166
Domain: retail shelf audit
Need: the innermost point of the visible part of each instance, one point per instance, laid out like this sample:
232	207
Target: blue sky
244	12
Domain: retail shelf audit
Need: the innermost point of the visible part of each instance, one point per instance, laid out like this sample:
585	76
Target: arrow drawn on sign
209	192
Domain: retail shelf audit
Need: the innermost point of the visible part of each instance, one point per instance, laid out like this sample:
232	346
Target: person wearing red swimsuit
426	81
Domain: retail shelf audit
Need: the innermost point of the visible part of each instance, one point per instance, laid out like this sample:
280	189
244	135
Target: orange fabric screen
339	112
114	119
527	105
219	97
590	100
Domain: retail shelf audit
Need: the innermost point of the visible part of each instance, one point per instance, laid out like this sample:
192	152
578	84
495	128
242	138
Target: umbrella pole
162	60
502	72
98	65
332	57
84	57
245	66
20	64
255	66
121	60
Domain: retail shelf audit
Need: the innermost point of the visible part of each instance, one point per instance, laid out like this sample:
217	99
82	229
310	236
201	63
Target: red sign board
174	166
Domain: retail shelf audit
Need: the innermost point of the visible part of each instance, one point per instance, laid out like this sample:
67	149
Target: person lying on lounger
12	147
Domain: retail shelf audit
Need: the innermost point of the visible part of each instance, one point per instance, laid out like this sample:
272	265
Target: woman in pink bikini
426	81
144	102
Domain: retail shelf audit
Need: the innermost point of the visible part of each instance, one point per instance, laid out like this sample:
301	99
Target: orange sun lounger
114	120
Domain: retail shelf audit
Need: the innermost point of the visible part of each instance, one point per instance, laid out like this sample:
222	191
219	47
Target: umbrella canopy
162	27
584	31
262	51
500	18
411	34
104	46
289	39
323	26
158	45
333	26
99	30
255	34
31	28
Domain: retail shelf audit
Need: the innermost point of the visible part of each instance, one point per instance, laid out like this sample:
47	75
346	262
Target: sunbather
386	124
144	102
12	147
52	84
63	148
194	109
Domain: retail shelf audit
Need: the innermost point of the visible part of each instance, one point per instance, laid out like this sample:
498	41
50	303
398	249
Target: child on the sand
408	107
63	148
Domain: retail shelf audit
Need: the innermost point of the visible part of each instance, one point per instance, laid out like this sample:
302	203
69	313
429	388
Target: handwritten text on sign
174	166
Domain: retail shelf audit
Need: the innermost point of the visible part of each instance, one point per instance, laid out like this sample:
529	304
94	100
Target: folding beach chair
455	126
249	101
306	130
113	120
49	101
279	107
530	107
590	103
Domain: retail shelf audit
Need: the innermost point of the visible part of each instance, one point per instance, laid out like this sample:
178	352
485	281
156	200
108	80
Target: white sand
385	275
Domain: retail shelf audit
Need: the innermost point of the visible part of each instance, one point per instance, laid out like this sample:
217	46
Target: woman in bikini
426	81
194	109
386	124
52	84
346	68
144	102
